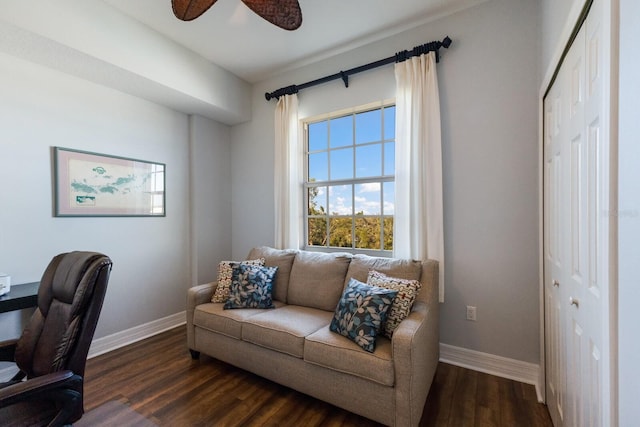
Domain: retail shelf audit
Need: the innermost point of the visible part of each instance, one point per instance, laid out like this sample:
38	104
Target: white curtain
288	155
418	224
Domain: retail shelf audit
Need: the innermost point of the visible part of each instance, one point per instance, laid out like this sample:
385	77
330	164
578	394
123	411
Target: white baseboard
129	336
119	339
499	366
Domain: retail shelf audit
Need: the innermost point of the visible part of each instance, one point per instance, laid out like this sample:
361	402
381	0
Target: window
349	179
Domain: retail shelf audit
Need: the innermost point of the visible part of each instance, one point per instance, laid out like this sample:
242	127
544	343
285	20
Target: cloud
337	206
368	206
340	200
370	187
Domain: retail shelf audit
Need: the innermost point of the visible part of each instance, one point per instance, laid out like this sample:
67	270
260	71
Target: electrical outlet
471	313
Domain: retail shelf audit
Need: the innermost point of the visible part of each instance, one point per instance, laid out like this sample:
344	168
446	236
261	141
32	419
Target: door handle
556	284
574	301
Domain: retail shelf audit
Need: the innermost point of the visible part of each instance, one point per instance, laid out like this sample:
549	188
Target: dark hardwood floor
159	380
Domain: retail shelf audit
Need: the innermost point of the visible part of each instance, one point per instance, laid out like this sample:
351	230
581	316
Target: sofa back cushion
317	279
394	267
281	258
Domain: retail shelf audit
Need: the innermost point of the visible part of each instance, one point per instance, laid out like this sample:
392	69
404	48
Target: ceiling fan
285	14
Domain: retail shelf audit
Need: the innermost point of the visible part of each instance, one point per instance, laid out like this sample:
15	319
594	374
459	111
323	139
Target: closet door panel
576	232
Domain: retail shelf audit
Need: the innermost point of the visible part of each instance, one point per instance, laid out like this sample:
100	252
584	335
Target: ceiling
231	36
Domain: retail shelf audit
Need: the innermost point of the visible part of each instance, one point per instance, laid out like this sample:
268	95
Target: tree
336	230
317	226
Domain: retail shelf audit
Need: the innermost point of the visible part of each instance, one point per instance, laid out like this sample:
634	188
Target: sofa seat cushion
214	317
285	328
317	279
333	351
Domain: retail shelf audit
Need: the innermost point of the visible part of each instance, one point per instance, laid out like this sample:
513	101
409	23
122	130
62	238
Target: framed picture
92	184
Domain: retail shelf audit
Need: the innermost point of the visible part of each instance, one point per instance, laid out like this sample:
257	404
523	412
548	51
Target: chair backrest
70	298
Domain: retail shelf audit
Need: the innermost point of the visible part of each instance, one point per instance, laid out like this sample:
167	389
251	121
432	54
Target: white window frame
379	105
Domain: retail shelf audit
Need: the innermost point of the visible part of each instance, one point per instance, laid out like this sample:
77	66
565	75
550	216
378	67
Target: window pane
318	136
340	232
317	197
389	158
368	126
388	234
341	131
340	200
318	167
390	122
367	199
317	228
369	161
389	196
368	232
342	164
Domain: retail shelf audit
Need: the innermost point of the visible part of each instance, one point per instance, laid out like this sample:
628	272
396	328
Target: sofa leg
195	355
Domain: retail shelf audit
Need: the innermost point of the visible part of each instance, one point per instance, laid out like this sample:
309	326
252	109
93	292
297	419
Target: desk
19	297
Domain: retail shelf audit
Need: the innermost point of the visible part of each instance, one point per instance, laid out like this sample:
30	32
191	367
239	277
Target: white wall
488	82
41	108
554	15
95	41
210	197
629	213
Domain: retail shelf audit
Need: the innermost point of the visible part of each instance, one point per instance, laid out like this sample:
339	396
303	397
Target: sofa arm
200	294
415	351
197	295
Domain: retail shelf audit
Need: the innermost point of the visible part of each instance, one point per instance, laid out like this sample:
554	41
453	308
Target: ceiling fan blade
188	10
285	14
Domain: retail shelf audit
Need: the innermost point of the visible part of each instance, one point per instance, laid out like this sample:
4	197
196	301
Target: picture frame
93	184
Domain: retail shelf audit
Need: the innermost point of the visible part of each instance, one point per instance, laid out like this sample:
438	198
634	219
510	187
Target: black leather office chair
52	351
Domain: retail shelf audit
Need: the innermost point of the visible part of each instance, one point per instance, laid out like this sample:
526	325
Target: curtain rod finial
446	42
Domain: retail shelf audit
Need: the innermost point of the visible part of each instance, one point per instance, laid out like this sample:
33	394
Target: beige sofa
292	344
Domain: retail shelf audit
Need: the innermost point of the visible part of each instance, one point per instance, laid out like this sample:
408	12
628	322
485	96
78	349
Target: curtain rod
344	75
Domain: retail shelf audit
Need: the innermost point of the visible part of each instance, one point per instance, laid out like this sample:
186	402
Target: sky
354	146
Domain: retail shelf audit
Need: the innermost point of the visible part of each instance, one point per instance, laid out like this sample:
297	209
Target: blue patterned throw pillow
251	287
361	312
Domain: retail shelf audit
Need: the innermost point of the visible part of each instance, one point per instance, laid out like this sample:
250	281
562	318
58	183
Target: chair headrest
62	280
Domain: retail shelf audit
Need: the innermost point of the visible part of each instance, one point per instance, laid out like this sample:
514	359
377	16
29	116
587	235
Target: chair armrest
43	384
8	350
415	351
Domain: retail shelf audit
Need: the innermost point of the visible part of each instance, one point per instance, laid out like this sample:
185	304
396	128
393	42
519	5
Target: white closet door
554	252
576	183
